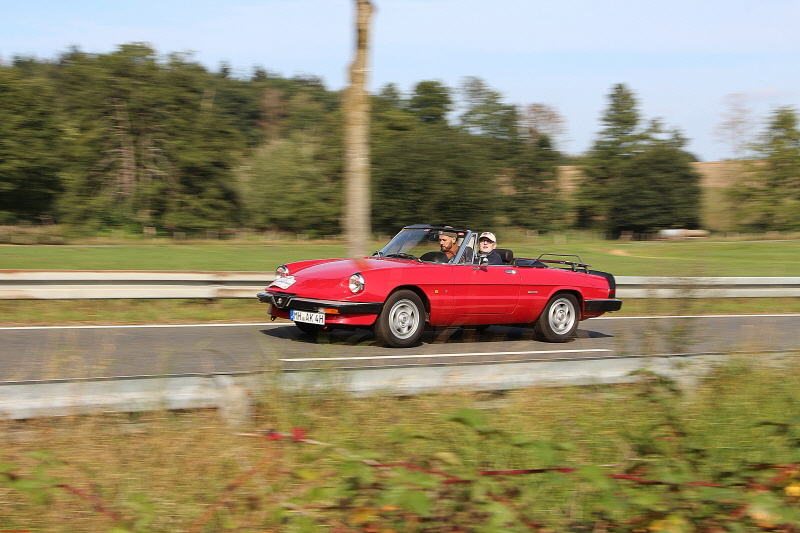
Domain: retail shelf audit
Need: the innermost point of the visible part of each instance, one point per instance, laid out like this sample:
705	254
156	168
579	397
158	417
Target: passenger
447	243
487	242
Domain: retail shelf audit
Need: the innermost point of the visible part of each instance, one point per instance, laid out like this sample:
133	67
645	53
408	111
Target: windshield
423	243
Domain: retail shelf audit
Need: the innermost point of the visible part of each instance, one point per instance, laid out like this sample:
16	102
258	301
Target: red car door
487	290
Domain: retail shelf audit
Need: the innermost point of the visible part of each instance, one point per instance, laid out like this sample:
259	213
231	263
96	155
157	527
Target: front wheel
559	320
402	320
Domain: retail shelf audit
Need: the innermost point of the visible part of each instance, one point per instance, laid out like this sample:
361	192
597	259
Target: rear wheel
559	320
402	320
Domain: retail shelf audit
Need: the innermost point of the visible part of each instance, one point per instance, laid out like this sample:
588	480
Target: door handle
511	271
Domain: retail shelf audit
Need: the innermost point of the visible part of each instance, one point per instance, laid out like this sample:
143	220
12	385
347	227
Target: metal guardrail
124	284
707	287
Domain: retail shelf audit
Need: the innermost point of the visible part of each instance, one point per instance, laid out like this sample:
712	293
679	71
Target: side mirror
484	261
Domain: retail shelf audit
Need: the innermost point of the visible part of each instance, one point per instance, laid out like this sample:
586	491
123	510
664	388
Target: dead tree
356	204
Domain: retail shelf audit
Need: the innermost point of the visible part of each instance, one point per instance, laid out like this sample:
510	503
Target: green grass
214	257
654	258
681	258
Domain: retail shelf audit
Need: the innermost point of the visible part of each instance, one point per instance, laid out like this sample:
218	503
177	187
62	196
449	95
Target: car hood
329	279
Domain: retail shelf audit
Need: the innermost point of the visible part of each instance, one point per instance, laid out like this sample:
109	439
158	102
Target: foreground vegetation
637	457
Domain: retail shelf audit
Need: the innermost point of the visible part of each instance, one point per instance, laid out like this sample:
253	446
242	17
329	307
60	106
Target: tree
486	115
289	185
431	173
534	202
656	189
431	101
356	139
29	144
538	119
768	195
615	140
737	125
637	179
148	144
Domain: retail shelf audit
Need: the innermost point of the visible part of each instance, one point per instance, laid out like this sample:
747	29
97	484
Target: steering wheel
434	257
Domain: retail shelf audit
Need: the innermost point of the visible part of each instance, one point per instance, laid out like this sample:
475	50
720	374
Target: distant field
653	258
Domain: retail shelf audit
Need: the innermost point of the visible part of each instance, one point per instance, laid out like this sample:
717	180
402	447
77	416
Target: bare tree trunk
356	206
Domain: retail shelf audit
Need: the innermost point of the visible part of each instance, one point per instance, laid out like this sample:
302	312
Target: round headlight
356	283
281	271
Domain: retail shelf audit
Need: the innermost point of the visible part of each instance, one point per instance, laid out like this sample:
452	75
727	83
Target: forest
140	142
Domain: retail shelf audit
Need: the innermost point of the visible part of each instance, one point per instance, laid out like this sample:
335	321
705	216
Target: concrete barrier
123	284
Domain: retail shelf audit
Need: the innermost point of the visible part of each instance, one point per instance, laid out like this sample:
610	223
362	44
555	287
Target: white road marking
433	356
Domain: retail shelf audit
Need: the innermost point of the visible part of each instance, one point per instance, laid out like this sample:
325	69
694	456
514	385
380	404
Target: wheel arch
576	293
419	292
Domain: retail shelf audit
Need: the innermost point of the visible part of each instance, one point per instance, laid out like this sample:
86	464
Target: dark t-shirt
494	258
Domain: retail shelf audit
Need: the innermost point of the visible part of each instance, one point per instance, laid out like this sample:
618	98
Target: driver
447	243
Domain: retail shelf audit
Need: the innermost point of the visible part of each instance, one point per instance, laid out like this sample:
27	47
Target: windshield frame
415	234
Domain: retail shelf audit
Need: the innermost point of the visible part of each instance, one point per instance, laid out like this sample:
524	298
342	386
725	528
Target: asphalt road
54	353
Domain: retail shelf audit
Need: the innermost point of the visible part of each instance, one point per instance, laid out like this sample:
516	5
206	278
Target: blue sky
680	57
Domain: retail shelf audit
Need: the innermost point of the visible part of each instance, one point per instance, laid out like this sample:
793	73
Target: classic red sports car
410	284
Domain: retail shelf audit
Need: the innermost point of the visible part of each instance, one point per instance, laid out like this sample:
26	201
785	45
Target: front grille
282	301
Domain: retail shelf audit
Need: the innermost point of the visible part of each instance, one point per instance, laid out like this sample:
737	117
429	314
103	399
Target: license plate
307	316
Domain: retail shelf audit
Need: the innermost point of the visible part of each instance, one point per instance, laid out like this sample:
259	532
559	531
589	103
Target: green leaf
392	495
646	499
418	479
500	515
416	501
595	476
468	417
306	474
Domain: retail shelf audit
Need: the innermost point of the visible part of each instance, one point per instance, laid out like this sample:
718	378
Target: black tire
402	321
309	329
559	319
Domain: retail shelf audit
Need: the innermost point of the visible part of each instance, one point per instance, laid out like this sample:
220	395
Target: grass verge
185	471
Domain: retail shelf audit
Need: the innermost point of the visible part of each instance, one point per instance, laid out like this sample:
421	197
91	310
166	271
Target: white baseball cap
488	235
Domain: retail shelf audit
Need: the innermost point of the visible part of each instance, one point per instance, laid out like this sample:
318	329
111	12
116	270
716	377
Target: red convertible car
410	284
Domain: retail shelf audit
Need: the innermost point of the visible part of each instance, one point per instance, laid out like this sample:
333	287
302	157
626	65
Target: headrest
505	254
